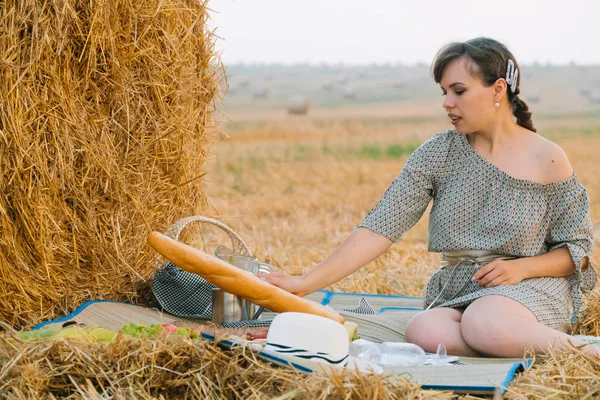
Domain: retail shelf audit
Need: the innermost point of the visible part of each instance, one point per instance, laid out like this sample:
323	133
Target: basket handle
239	246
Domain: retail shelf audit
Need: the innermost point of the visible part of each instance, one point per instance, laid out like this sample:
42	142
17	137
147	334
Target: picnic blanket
379	318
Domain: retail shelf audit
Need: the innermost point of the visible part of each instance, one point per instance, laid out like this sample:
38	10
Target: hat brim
308	365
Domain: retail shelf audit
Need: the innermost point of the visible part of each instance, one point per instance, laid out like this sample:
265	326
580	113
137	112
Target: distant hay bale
261	92
298	105
327	86
104	109
398	85
533	98
349	93
342	79
243	82
585	92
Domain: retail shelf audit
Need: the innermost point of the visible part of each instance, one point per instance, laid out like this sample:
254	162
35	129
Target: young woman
509	216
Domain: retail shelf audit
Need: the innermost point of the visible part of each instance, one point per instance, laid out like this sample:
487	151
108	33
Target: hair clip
512	74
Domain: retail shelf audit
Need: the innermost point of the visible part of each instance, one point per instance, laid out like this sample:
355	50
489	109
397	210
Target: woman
509	217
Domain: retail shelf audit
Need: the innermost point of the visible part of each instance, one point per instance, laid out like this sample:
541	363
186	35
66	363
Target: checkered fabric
477	206
189	295
363	308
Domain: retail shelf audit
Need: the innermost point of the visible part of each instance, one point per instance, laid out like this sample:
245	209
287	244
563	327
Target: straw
174	367
105	122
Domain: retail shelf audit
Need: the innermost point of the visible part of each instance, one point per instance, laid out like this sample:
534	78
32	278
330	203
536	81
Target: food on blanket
258	334
235	280
351	327
194	330
37	334
149	332
141	331
222	332
92	333
170	328
189	332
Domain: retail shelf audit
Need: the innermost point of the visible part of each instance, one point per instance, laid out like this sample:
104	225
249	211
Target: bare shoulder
553	159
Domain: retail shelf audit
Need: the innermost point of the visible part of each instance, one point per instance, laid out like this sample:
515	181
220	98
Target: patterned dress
477	206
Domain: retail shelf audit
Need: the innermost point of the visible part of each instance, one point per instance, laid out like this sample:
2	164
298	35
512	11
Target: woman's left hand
500	272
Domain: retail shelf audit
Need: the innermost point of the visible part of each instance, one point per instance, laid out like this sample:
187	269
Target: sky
363	32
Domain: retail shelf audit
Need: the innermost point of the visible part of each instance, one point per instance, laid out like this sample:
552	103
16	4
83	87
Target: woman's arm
557	263
358	249
399	209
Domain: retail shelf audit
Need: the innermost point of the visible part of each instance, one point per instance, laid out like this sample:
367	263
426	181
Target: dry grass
105	112
173	367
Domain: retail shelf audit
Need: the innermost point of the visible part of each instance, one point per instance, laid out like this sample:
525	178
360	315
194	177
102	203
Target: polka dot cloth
477	206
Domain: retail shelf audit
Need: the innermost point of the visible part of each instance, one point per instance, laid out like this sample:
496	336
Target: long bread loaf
235	280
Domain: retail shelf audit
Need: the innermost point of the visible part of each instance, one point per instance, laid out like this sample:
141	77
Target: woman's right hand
289	283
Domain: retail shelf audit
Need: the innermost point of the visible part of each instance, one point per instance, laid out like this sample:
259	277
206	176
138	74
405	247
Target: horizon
398	64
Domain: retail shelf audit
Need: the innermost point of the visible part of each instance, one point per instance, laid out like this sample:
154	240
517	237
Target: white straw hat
310	342
309	337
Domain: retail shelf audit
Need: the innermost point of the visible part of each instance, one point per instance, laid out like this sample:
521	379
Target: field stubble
294	193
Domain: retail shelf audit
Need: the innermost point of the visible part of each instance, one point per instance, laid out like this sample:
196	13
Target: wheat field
294	190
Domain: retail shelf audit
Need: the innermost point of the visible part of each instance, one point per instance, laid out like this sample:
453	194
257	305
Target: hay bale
533	98
342	79
298	105
104	108
261	92
349	93
243	82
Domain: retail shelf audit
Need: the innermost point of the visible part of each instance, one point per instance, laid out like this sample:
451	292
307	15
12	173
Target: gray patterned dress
477	206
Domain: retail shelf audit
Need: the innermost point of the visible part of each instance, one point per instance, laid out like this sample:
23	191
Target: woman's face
469	104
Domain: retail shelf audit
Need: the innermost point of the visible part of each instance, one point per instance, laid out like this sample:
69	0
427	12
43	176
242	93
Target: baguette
235	280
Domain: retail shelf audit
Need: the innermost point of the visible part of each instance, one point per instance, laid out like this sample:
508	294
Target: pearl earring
497	104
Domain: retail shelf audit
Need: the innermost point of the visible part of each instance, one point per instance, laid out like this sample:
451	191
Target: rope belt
456	258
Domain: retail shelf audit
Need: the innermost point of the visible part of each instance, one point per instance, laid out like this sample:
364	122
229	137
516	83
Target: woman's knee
487	324
430	328
480	330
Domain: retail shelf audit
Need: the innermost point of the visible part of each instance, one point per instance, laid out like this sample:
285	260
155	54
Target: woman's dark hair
489	62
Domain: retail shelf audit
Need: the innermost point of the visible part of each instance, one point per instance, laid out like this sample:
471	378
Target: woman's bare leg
439	325
501	327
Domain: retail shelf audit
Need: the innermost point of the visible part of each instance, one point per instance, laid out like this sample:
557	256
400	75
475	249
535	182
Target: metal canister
227	307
